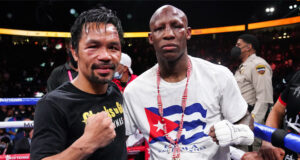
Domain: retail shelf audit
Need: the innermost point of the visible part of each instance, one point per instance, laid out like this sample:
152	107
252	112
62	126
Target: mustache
103	66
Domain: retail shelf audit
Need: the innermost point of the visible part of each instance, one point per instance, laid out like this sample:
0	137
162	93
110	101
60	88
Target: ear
249	46
150	38
74	54
188	33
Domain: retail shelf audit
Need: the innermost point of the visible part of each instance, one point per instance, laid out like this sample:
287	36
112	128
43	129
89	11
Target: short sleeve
49	137
233	105
283	98
262	82
129	122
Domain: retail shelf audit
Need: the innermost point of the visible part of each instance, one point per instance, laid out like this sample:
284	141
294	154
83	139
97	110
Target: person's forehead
240	41
170	12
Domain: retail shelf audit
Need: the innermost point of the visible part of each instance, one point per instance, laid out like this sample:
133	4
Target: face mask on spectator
235	52
117	75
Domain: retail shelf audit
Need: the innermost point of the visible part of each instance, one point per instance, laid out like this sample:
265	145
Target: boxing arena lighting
293	6
17	32
135	34
9	15
129	16
257	25
218	30
273	23
270	10
72	11
58	46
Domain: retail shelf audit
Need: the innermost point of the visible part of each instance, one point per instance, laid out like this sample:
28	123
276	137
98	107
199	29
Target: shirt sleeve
262	83
283	98
233	105
129	122
261	76
50	131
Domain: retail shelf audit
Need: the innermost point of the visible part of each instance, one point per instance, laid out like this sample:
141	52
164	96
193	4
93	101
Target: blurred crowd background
26	62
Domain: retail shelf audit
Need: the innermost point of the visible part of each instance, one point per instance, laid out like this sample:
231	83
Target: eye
178	26
92	46
158	28
114	48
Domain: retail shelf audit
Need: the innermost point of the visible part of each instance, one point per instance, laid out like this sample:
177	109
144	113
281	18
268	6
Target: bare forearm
276	116
98	133
274	120
79	150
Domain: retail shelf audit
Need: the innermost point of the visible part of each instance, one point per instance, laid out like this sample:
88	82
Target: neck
174	71
89	87
244	58
124	77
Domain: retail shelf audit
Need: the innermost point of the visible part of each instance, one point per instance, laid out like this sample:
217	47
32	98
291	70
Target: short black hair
251	39
98	15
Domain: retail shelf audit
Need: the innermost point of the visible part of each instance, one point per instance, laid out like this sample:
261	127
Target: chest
78	112
202	108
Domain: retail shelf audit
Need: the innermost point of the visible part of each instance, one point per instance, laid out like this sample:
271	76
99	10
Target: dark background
54	15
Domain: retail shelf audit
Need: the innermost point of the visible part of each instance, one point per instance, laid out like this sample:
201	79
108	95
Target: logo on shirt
112	112
193	119
261	69
297	92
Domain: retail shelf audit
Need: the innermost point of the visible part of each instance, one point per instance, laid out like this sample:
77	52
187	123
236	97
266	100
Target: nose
104	55
168	33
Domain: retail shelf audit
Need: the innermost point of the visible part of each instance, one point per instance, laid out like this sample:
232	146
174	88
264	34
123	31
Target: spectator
124	74
23	144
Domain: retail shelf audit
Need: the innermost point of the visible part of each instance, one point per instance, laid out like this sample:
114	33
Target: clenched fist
99	130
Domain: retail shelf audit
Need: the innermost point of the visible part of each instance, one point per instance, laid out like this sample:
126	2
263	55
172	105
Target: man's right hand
99	130
269	152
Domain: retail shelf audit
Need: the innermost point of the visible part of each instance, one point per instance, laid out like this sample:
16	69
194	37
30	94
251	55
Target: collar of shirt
250	58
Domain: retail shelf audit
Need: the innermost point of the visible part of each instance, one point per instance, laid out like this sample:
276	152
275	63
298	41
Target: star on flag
157	126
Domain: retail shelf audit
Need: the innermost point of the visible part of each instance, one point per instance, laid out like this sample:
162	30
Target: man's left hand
225	133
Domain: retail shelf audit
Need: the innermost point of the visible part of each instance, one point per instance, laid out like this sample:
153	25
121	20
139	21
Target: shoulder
59	68
257	61
296	77
144	81
260	60
258	64
57	95
56	72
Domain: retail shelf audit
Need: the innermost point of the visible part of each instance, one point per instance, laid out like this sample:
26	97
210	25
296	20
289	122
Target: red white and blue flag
193	119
